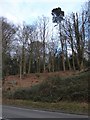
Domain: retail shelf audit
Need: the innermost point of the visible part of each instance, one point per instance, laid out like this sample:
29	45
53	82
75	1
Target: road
17	112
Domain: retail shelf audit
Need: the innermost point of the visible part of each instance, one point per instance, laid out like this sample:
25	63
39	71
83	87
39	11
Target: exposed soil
14	81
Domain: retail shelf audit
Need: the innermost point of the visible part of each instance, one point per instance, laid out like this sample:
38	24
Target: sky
18	11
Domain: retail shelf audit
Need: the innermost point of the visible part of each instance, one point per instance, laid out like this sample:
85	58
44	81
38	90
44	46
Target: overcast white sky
28	10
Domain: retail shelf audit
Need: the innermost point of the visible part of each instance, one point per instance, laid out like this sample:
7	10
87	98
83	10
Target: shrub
54	89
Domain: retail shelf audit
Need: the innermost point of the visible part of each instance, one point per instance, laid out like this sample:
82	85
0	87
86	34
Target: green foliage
55	89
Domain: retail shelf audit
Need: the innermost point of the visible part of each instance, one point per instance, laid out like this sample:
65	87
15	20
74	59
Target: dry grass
13	81
63	106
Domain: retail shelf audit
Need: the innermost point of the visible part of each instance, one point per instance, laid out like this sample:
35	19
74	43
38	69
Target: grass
62	106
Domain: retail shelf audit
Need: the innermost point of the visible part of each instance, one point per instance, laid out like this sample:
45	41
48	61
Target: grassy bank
53	94
63	106
55	89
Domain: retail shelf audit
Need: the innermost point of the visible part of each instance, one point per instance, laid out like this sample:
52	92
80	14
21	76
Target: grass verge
62	106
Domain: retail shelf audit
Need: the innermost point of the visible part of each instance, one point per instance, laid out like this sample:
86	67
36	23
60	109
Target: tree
0	50
80	38
69	35
22	39
43	35
57	18
8	35
88	16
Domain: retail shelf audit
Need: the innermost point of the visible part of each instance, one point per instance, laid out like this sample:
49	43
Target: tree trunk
23	60
21	68
67	59
62	45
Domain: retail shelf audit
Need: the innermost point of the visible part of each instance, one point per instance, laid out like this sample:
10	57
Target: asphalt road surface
17	112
